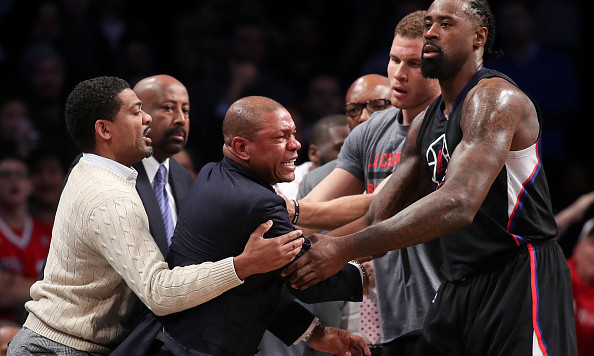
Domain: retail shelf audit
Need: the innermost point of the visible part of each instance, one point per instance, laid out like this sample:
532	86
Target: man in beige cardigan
102	257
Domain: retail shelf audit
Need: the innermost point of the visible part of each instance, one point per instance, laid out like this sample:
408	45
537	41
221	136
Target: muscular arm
497	117
493	112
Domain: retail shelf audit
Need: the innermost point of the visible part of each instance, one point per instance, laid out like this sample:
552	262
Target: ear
480	37
240	147
313	153
102	129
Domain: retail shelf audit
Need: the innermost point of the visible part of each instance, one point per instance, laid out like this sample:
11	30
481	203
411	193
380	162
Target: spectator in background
17	132
8	330
44	78
547	75
47	174
24	241
324	96
581	264
243	72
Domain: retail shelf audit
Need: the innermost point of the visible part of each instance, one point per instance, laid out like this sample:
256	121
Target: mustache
176	131
432	44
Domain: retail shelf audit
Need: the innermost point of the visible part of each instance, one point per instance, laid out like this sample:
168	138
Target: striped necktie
163	201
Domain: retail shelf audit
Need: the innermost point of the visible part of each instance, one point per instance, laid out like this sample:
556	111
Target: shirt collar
127	173
151	166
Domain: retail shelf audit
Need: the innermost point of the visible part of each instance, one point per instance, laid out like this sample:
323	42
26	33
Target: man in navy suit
166	100
226	202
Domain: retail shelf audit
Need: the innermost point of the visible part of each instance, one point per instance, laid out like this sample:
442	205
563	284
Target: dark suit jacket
180	181
225	204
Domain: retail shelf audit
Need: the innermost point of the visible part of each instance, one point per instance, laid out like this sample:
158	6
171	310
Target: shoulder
382	118
496	94
178	170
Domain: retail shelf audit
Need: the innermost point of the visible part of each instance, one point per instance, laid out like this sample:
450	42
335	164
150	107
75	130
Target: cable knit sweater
101	256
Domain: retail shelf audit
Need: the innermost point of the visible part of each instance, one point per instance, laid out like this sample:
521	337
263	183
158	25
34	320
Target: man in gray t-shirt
406	279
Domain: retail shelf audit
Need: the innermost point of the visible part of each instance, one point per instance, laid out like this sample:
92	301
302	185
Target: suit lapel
149	200
180	181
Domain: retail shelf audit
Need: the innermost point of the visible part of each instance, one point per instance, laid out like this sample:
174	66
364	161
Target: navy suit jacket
224	206
180	181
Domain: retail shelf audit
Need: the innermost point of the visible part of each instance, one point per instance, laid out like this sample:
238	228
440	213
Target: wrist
241	267
295	211
316	330
364	275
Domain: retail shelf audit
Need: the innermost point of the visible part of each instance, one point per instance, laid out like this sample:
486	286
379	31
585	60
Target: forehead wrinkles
457	10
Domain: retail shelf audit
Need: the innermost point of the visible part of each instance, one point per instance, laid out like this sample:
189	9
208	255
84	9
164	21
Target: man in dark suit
166	100
233	196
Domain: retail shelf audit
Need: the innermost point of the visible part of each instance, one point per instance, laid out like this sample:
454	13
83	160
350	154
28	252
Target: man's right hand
262	255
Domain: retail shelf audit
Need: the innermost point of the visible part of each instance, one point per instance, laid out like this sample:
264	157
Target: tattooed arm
496	117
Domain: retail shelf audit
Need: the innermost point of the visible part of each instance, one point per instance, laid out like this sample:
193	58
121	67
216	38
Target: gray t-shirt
406	279
313	177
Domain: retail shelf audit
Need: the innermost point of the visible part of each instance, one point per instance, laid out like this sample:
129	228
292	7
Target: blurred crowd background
302	53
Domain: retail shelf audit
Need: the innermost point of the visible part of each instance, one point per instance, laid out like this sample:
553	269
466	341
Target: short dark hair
243	118
92	100
320	130
482	11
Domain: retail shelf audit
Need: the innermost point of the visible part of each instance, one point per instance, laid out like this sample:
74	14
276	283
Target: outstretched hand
262	255
321	261
337	341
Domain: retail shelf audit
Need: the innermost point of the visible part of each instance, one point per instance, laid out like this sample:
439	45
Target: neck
160	156
14	216
111	155
409	115
452	86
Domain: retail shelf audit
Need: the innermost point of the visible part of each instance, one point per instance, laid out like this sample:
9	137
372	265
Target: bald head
166	100
366	88
244	117
154	85
259	134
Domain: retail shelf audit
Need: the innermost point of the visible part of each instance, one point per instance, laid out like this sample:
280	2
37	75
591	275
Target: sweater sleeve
119	232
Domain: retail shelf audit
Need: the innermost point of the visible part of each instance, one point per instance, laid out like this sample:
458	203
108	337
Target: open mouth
145	135
290	162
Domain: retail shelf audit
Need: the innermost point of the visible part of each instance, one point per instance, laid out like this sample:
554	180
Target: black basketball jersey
517	208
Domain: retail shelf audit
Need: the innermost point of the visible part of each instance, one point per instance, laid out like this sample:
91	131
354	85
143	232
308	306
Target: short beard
433	68
148	152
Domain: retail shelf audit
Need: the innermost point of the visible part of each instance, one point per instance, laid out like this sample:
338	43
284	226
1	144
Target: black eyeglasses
355	109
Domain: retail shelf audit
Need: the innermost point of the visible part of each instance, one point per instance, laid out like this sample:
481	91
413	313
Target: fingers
289	236
292	246
261	230
295	266
307	280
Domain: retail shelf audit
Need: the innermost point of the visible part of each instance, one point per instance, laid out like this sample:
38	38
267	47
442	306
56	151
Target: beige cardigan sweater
102	257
